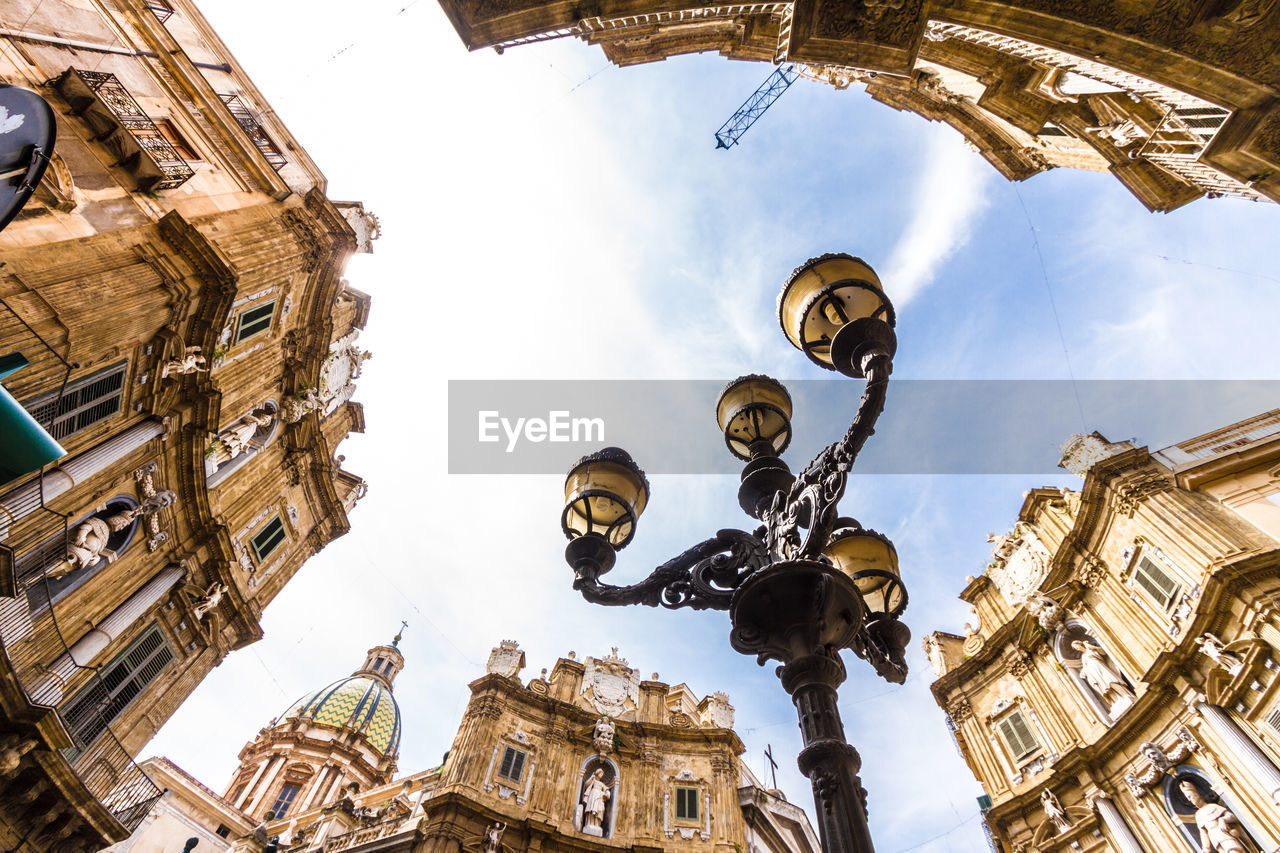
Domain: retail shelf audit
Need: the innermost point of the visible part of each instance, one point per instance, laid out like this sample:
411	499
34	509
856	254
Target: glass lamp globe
605	493
871	561
827	295
755	414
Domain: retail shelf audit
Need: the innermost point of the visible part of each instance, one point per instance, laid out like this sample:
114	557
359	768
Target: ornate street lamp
807	583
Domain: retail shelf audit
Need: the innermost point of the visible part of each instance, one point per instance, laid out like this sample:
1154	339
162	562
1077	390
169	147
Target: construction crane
770	90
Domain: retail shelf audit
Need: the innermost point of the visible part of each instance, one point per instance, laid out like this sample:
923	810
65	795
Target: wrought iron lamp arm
814	497
705	576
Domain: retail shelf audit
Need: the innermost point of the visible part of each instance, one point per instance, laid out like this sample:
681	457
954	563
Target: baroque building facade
1117	688
1177	100
588	757
174	289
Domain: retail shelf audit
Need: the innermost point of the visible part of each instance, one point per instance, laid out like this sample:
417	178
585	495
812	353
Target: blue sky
549	217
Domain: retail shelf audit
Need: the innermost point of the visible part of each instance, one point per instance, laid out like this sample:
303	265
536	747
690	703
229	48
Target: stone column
1255	761
57	481
1121	835
88	647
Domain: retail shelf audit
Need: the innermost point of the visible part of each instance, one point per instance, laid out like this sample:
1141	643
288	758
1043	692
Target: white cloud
949	195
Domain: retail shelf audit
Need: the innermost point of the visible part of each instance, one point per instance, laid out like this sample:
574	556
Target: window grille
268	539
95	707
1156	582
512	766
1273	720
222	831
287	793
255	321
160	8
686	803
1018	735
84	402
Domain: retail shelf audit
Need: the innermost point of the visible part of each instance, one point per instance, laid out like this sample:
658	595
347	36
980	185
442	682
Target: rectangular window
255	320
176	139
106	697
686	803
1155	582
85	402
287	793
512	766
223	830
268	539
1051	129
1019	736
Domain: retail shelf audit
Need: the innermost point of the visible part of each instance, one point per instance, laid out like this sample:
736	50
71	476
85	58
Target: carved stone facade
533	767
175	280
1177	99
1129	699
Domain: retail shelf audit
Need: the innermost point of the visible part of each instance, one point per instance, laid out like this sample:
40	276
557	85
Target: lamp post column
827	758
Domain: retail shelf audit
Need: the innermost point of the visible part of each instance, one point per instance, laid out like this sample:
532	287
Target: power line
967	820
1053	306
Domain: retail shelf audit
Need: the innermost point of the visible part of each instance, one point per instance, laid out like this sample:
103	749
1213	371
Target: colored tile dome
360	703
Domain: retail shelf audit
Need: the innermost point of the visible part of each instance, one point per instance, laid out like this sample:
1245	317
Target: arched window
1095	672
1183	812
597	802
247	436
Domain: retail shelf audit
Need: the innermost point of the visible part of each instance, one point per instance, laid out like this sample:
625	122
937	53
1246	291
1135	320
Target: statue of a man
1102	676
493	837
1053	808
189	362
595	795
85	549
1219	829
212	596
1215	650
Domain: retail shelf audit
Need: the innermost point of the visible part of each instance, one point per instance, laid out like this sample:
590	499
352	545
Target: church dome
360	703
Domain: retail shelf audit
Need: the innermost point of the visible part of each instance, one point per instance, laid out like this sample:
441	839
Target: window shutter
255	320
1018	735
268	538
84	402
1155	581
687	803
512	764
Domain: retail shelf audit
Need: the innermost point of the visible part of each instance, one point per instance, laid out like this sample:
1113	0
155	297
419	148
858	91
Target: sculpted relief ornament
610	685
506	659
1019	563
1081	452
718	711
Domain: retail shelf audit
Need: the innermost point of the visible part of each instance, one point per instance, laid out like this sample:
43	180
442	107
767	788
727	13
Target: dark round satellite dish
27	132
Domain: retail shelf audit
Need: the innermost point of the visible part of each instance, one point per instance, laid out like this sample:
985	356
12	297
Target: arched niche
245	438
611	779
1182	812
1064	648
41	590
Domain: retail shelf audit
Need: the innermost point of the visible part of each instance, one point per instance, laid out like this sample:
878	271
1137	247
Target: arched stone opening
602	802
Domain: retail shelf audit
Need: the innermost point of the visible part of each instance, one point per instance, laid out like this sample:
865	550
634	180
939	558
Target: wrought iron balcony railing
248	121
120	124
161	9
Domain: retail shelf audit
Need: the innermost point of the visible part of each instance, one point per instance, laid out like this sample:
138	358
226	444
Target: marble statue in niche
1220	830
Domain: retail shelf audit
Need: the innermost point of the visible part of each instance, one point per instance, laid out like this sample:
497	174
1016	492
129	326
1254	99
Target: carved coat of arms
610	685
507	659
1019	563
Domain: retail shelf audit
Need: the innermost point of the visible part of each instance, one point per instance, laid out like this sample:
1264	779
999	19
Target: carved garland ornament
1161	761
